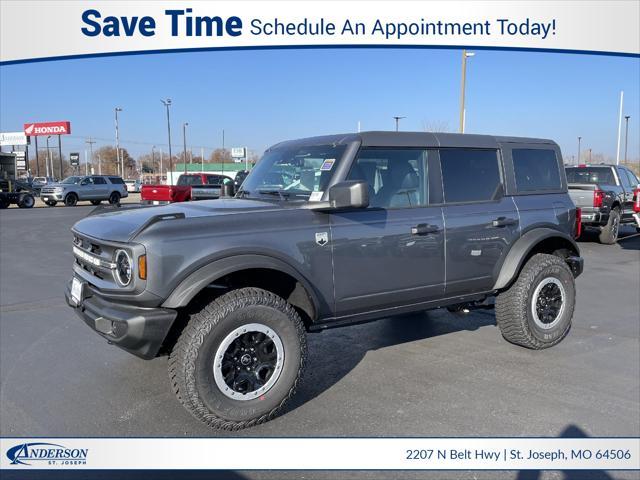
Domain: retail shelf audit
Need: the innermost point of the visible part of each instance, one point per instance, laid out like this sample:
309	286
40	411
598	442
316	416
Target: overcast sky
261	97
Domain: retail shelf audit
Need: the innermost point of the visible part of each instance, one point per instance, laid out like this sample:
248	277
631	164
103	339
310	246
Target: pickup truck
181	192
605	195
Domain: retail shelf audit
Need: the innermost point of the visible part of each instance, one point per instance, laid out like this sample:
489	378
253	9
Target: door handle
424	229
504	221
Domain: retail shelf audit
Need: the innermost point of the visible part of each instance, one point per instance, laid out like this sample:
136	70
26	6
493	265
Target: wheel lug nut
255	359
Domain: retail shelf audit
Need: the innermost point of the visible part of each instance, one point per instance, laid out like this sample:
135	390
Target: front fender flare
196	281
521	249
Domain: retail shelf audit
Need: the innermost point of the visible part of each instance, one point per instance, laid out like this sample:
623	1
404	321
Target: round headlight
123	268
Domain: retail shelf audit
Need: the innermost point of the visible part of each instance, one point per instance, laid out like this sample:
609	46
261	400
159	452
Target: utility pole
90	142
397	119
153	158
167	104
160	165
463	113
626	136
579	139
589	155
184	145
619	127
49	160
37	158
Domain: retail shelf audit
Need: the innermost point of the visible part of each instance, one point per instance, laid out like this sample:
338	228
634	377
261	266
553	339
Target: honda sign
47	128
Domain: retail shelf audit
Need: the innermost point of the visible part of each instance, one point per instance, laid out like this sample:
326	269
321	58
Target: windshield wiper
281	193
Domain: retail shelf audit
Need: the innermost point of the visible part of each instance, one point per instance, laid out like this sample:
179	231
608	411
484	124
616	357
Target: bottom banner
323	453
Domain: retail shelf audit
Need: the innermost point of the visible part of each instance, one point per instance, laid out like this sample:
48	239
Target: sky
261	97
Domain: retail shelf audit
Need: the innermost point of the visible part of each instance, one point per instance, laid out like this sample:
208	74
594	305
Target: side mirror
349	194
227	190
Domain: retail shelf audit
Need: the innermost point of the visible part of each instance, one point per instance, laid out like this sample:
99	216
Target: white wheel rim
248	361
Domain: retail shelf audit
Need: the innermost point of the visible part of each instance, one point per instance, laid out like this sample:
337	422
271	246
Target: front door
391	253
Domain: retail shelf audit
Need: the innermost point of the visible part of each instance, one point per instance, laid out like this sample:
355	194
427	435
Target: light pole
167	103
579	140
589	155
49	159
153	159
118	161
397	119
465	55
184	145
626	136
91	142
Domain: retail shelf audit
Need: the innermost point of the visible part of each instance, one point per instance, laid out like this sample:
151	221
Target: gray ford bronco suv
326	232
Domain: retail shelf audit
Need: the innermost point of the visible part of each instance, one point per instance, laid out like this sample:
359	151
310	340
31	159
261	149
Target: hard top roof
414	139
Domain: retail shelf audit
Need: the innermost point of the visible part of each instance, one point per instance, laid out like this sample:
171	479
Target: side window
625	179
99	181
116	180
470	175
397	177
633	179
536	169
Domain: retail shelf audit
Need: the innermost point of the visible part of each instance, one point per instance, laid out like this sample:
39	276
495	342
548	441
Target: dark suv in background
326	232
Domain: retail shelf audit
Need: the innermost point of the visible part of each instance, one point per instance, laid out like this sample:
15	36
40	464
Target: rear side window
536	169
116	180
99	181
470	175
602	175
190	180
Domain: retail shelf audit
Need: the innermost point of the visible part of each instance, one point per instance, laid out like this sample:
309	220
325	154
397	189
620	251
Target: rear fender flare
521	249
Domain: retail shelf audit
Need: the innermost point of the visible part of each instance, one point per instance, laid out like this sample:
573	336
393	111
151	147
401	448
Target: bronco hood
123	225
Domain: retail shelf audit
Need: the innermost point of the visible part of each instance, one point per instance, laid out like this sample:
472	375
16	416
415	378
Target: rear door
481	223
628	185
392	253
100	188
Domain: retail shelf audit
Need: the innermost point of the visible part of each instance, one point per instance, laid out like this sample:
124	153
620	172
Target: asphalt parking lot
433	374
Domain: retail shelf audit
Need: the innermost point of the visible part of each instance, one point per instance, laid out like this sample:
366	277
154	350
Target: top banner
51	30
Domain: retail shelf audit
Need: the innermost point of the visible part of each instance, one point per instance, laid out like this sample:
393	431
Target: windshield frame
272	162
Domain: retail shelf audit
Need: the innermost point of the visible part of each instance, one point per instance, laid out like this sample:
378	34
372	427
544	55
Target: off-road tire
513	306
114	198
609	233
51	204
96	202
26	200
192	359
71	200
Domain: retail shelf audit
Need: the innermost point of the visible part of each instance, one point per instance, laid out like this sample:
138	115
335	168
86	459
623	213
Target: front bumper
56	197
154	202
137	330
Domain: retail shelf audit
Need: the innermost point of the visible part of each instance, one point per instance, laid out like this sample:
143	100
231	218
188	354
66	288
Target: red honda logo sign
47	128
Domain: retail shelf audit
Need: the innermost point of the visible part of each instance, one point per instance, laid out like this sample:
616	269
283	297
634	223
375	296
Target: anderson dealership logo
50	453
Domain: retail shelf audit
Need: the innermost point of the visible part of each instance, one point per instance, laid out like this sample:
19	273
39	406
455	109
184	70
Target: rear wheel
239	360
26	200
71	200
114	198
609	233
536	311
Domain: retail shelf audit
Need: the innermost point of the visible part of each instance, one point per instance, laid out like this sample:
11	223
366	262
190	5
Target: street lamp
579	140
119	162
626	136
465	55
167	104
397	119
184	145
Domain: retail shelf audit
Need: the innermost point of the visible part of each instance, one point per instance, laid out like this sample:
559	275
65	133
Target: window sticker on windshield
315	196
327	165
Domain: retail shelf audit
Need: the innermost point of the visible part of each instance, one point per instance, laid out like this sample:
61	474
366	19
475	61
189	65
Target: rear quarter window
116	180
536	169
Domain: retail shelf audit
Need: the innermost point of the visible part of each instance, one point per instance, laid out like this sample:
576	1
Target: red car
181	192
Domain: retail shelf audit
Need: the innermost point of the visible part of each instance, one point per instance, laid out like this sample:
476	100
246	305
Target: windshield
294	171
71	180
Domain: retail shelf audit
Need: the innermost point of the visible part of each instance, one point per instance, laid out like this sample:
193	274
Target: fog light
142	267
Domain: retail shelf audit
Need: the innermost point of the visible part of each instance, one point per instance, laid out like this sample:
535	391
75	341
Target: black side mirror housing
349	194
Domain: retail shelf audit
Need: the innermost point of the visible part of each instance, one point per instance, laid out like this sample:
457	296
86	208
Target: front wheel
536	311
239	359
609	233
71	200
